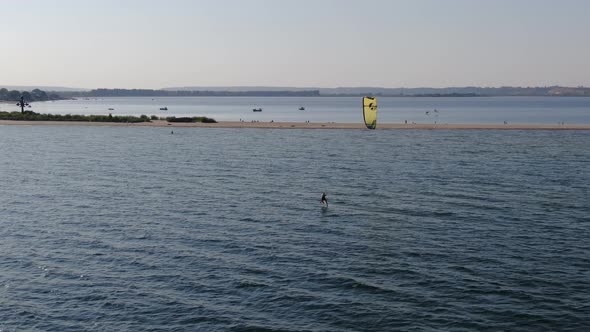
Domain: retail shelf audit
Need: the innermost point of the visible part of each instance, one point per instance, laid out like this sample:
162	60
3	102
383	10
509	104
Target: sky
301	43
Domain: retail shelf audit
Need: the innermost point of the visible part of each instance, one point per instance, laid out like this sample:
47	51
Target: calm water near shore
136	229
484	110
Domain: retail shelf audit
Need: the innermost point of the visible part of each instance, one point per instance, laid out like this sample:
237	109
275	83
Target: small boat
257	110
163	108
111	109
302	108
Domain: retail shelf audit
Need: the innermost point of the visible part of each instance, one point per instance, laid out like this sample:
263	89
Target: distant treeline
165	93
34	95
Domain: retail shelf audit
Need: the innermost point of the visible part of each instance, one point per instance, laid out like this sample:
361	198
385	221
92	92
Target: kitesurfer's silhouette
324	200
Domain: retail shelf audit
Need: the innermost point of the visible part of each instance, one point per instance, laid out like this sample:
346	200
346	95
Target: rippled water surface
138	229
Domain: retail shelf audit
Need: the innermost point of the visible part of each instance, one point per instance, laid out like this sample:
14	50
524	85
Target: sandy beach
303	125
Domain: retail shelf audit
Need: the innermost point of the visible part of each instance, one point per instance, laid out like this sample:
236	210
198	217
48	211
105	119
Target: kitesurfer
324	200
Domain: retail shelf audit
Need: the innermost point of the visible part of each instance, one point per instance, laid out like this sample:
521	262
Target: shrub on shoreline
32	116
193	119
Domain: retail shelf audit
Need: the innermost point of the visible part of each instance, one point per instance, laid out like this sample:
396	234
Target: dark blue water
135	229
487	110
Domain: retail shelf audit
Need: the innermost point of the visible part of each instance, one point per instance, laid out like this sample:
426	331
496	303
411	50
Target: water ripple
222	230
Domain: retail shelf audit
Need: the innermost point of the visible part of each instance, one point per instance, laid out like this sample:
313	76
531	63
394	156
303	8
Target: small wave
351	283
248	219
250	284
258	328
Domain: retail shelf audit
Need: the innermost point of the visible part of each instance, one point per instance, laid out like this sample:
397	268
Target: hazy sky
320	43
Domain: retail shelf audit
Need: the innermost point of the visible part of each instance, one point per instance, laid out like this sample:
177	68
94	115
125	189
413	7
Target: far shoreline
302	125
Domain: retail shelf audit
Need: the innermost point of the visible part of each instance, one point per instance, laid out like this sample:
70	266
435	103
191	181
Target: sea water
425	110
139	229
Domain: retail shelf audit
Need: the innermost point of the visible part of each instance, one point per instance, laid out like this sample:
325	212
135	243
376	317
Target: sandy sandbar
303	125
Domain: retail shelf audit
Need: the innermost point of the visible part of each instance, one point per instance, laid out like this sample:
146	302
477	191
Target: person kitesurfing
324	200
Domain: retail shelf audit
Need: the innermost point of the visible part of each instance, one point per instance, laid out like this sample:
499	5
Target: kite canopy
370	112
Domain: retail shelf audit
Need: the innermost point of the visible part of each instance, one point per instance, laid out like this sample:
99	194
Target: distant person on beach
324	200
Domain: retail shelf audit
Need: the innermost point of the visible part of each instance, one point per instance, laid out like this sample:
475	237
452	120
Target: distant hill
564	91
33	95
238	88
44	88
422	91
469	91
188	93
